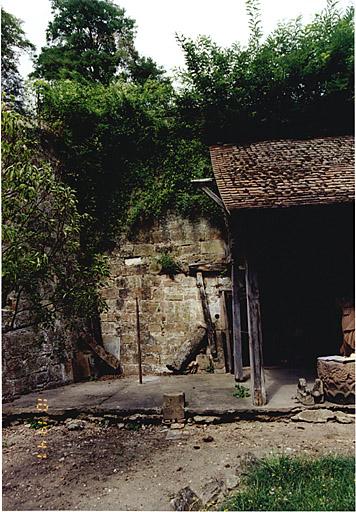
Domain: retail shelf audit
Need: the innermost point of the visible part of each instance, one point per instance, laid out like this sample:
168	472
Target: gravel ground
137	468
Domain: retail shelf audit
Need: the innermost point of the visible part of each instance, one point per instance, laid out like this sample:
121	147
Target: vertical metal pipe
139	354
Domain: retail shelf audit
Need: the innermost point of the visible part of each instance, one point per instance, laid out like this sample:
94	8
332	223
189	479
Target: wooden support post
258	390
207	315
225	326
139	354
236	325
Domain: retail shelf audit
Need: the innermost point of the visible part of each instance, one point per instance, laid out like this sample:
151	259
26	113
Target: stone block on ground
342	417
75	425
173	407
174	435
177	426
314	416
231	481
206	419
186	499
212	491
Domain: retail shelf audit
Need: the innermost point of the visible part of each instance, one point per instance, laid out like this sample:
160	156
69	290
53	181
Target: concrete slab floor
206	394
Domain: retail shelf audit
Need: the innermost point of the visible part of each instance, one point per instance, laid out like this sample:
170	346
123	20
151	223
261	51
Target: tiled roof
288	172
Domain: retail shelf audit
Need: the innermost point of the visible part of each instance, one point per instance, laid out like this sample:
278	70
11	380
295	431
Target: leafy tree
142	68
296	82
91	41
124	151
45	272
13	42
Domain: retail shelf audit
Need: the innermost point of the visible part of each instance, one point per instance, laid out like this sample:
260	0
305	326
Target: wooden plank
207	316
255	336
102	353
214	197
236	324
213	268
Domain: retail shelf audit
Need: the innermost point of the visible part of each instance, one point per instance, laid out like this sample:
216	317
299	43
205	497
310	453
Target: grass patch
295	483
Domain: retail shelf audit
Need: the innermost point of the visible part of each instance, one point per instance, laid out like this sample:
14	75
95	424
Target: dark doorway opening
305	261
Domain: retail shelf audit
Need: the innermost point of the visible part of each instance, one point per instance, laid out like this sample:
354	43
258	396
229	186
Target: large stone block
173	407
174	295
109	328
144	250
109	293
133	262
213	248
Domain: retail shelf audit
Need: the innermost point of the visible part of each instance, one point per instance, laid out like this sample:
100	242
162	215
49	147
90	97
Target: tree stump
338	376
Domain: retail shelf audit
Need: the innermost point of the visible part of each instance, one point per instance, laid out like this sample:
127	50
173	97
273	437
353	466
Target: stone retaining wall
170	307
35	359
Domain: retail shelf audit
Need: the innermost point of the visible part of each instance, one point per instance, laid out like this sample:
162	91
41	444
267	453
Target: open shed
289	207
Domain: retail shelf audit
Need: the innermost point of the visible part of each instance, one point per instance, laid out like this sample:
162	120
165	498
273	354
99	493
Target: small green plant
36	424
133	426
210	368
241	391
168	264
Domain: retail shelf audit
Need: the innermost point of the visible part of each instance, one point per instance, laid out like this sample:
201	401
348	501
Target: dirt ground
137	468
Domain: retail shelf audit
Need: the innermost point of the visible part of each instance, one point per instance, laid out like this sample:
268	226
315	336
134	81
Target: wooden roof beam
204	184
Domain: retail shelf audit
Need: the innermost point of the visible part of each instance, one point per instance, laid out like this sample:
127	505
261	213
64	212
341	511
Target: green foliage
13	42
133	426
168	264
45	272
37	424
241	391
296	82
124	152
254	22
286	483
91	41
129	144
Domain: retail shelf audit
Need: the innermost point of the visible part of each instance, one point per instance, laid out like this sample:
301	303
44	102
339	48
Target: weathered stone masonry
36	359
170	307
